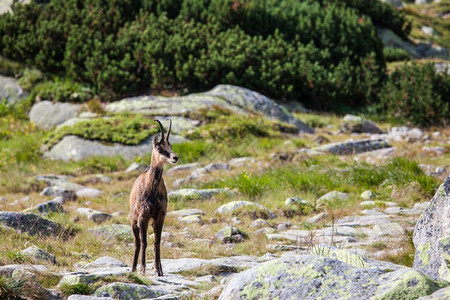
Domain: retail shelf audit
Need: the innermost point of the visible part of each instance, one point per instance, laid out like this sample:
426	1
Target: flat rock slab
75	148
106	261
30	223
45	208
225	264
196	194
47	115
352	147
238	99
94	215
363	220
129	291
117	231
186	212
315	277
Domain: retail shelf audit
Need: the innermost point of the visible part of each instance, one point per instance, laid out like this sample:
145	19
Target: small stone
105	261
186	212
296	201
259	223
206	278
334	195
319	217
230	234
47	207
89	193
66	194
366	195
94	215
191	219
38	255
392	229
235	206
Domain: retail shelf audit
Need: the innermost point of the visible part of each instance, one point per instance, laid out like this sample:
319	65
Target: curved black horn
162	131
168	131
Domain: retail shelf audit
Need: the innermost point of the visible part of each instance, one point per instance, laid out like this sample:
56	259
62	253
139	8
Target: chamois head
162	148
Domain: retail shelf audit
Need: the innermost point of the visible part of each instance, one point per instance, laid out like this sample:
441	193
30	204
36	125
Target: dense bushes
322	53
417	94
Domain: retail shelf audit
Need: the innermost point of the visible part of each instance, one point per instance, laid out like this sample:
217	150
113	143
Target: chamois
148	201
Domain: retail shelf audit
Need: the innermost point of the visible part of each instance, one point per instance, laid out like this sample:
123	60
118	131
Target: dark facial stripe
163	152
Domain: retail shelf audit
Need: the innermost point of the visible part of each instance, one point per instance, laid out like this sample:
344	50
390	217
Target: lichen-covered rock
106	261
9	87
230	234
117	231
196	194
37	255
355	147
191	219
72	147
432	235
94	215
438	295
237	206
89	193
31	223
47	115
332	196
54	191
45	208
237	99
129	291
355	124
314	277
367	195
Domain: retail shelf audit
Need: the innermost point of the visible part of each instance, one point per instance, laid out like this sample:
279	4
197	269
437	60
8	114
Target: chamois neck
155	172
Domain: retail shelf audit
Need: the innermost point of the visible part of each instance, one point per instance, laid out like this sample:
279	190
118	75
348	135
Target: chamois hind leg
137	245
157	228
143	226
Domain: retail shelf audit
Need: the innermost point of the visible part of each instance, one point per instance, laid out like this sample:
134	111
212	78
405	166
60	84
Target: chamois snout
173	158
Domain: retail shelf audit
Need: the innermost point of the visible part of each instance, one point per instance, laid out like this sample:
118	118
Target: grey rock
317	218
230	234
137	167
438	295
428	31
30	223
354	124
75	148
259	223
226	264
432	236
366	195
237	99
66	194
186	212
234	206
314	277
296	201
332	196
392	229
181	168
196	194
363	220
241	161
355	147
59	181
114	231
89	193
45	208
191	219
105	261
367	203
390	39
10	88
38	255
394	210
48	115
209	168
94	215
129	291
372	212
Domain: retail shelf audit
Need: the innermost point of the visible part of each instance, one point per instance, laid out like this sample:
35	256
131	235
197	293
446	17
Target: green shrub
29	78
287	49
9	67
417	94
129	130
61	91
395	54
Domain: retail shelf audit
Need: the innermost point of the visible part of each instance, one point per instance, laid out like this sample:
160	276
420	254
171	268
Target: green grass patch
125	129
80	288
395	54
12	288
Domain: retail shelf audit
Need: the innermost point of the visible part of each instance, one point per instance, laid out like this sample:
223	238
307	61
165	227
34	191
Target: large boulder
432	235
315	277
356	124
196	194
9	87
72	147
237	99
352	147
48	115
31	223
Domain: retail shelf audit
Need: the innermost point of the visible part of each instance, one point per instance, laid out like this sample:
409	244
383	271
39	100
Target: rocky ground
327	210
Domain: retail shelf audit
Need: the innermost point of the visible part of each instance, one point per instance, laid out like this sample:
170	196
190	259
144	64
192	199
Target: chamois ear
155	140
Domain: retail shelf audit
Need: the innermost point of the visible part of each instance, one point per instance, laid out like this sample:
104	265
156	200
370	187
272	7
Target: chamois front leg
143	226
137	245
157	228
